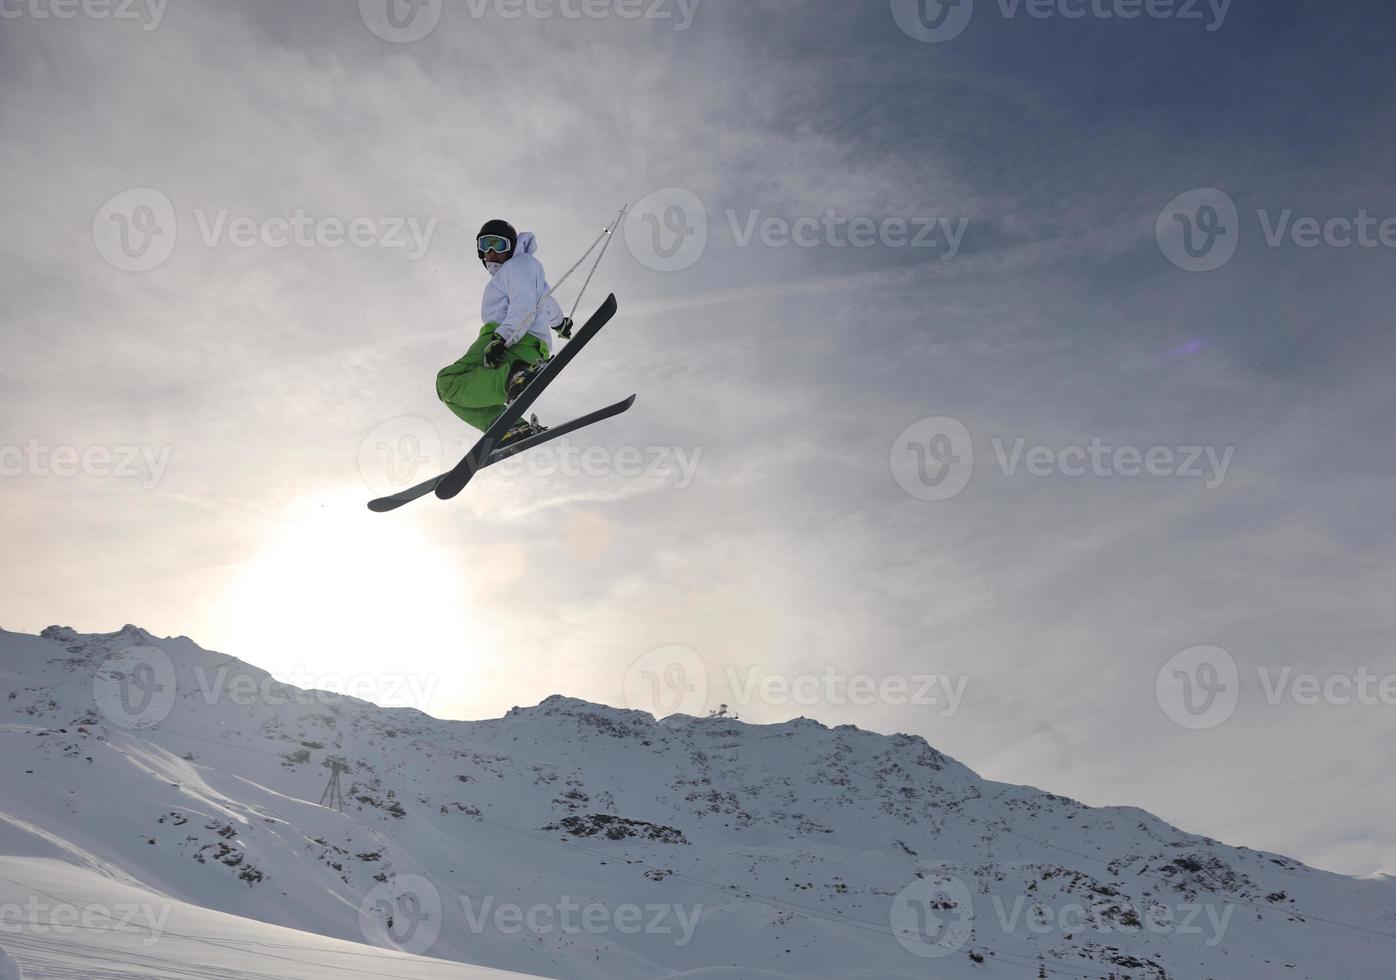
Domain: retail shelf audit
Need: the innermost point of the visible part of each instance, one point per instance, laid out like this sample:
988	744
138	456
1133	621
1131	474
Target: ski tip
446	490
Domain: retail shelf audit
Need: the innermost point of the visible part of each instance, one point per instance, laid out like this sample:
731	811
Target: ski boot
520	376
522	429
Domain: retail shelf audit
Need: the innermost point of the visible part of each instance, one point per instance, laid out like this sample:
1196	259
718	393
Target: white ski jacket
513	293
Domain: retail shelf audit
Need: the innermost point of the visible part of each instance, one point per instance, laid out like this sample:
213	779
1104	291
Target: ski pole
566	332
575	265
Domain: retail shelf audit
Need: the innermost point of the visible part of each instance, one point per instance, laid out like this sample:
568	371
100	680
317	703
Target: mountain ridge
791	848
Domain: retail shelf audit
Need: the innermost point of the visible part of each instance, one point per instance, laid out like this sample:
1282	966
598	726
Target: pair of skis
487	451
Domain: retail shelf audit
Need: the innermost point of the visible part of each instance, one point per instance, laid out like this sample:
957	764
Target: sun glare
343	600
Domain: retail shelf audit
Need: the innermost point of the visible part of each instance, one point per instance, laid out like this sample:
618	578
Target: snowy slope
184	942
575	840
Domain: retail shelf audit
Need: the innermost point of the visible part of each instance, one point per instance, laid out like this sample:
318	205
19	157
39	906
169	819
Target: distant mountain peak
791	849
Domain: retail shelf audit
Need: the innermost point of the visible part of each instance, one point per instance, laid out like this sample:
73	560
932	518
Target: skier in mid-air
510	364
514	343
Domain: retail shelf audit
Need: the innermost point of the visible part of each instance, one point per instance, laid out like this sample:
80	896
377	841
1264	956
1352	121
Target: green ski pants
476	392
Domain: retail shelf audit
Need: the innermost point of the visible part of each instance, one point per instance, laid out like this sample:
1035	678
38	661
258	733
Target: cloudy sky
1020	380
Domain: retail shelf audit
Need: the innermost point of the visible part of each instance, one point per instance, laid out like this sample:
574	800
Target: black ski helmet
497	226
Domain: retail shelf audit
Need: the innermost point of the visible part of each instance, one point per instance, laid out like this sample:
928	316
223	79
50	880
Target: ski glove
564	329
496	352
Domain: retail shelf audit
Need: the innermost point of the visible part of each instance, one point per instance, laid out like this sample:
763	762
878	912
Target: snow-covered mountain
575	840
119	943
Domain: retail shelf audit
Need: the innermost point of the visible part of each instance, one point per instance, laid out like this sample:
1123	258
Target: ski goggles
493	243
